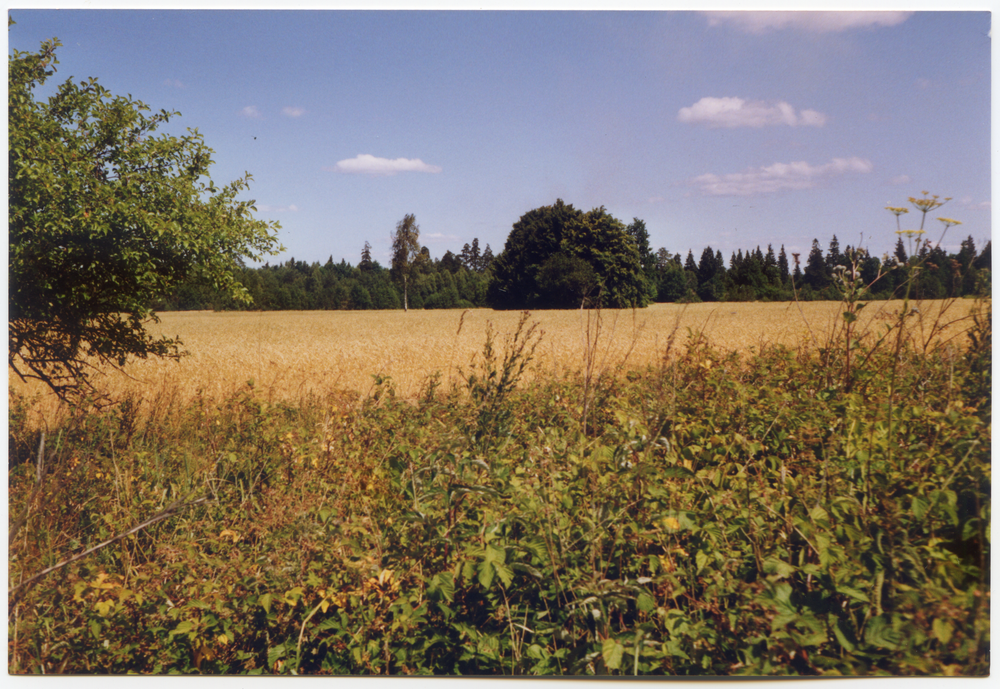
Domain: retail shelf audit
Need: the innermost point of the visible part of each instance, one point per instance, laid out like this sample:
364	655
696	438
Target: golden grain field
297	353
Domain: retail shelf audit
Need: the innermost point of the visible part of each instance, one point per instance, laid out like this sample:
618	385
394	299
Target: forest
462	281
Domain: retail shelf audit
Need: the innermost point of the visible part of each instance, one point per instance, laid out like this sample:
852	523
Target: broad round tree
558	257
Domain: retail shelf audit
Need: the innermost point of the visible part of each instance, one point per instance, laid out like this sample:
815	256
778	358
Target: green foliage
559	257
104	217
406	255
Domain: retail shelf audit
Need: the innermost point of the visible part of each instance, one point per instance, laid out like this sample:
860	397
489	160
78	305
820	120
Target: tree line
559	257
452	281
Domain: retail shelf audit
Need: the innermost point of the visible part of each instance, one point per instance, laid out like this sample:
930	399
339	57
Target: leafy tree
603	242
406	253
672	283
647	259
566	281
596	238
450	262
104	219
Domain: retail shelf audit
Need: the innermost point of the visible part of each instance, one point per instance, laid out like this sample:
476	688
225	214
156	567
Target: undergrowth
718	514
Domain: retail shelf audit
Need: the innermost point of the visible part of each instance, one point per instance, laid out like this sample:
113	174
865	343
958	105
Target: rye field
295	354
701	490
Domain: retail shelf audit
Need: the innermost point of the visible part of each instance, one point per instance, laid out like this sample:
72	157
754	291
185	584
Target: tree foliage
104	217
560	257
406	253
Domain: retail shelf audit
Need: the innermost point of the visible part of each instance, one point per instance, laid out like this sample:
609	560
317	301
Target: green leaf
612	652
275	653
856	594
942	630
265	602
841	636
701	559
880	633
504	572
778	568
645	602
486	573
183	628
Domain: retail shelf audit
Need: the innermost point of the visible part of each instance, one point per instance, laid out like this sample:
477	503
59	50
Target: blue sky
730	130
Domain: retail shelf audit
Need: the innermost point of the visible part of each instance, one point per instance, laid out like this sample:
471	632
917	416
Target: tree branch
16	593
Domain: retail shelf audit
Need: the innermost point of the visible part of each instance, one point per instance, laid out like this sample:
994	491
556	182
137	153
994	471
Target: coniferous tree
815	274
783	265
834	257
689	263
366	258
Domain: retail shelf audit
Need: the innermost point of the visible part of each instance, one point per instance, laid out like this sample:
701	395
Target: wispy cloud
251	111
176	83
366	164
737	112
778	177
900	180
969	203
436	237
265	208
817	22
292	112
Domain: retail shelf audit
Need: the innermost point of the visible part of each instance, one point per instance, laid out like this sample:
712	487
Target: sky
730	130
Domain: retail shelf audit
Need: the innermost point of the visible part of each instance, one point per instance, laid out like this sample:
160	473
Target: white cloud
265	208
817	22
778	177
250	111
900	180
176	83
366	164
292	112
435	237
736	112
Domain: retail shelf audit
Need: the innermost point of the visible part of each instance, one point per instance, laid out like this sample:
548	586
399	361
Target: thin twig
169	511
22	518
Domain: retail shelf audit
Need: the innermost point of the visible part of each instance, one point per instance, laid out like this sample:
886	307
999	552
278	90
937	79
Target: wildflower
948	222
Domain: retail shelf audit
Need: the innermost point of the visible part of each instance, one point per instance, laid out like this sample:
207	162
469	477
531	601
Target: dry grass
293	354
